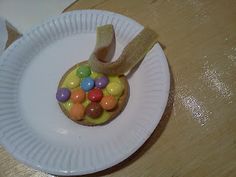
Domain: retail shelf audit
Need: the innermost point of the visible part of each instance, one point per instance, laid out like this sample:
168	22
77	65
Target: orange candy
78	95
108	102
77	112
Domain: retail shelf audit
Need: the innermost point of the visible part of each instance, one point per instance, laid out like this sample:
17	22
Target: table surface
17	12
197	133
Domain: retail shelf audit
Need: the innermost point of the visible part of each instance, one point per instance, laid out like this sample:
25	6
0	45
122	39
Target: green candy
83	71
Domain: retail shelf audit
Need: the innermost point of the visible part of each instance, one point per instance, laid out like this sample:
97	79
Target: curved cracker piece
132	54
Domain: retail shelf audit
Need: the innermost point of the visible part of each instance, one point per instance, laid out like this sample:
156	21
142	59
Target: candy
78	95
63	94
95	75
83	71
87	84
95	94
101	82
94	110
114	89
77	112
68	105
108	102
73	82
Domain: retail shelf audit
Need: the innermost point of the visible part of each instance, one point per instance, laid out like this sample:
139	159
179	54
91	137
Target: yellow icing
105	115
102	119
86	102
105	92
95	75
114	79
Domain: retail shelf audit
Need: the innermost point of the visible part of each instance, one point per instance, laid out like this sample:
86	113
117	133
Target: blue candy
87	84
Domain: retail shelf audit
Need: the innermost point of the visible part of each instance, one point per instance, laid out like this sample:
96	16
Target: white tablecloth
23	14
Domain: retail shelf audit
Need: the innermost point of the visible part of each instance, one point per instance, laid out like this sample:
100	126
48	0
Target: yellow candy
114	88
68	105
73	82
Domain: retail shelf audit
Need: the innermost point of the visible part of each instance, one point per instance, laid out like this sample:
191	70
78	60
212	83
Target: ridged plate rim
164	97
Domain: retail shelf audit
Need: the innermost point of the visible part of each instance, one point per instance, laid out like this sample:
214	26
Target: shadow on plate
150	141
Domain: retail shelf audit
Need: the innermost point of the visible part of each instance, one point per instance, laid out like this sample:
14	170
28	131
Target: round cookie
106	115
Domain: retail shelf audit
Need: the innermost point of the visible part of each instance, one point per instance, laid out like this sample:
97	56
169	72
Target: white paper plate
33	128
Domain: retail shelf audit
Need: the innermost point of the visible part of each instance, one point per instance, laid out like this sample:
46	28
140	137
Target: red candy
94	110
95	95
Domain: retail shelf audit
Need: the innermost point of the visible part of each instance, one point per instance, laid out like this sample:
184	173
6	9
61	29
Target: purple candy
101	82
63	94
